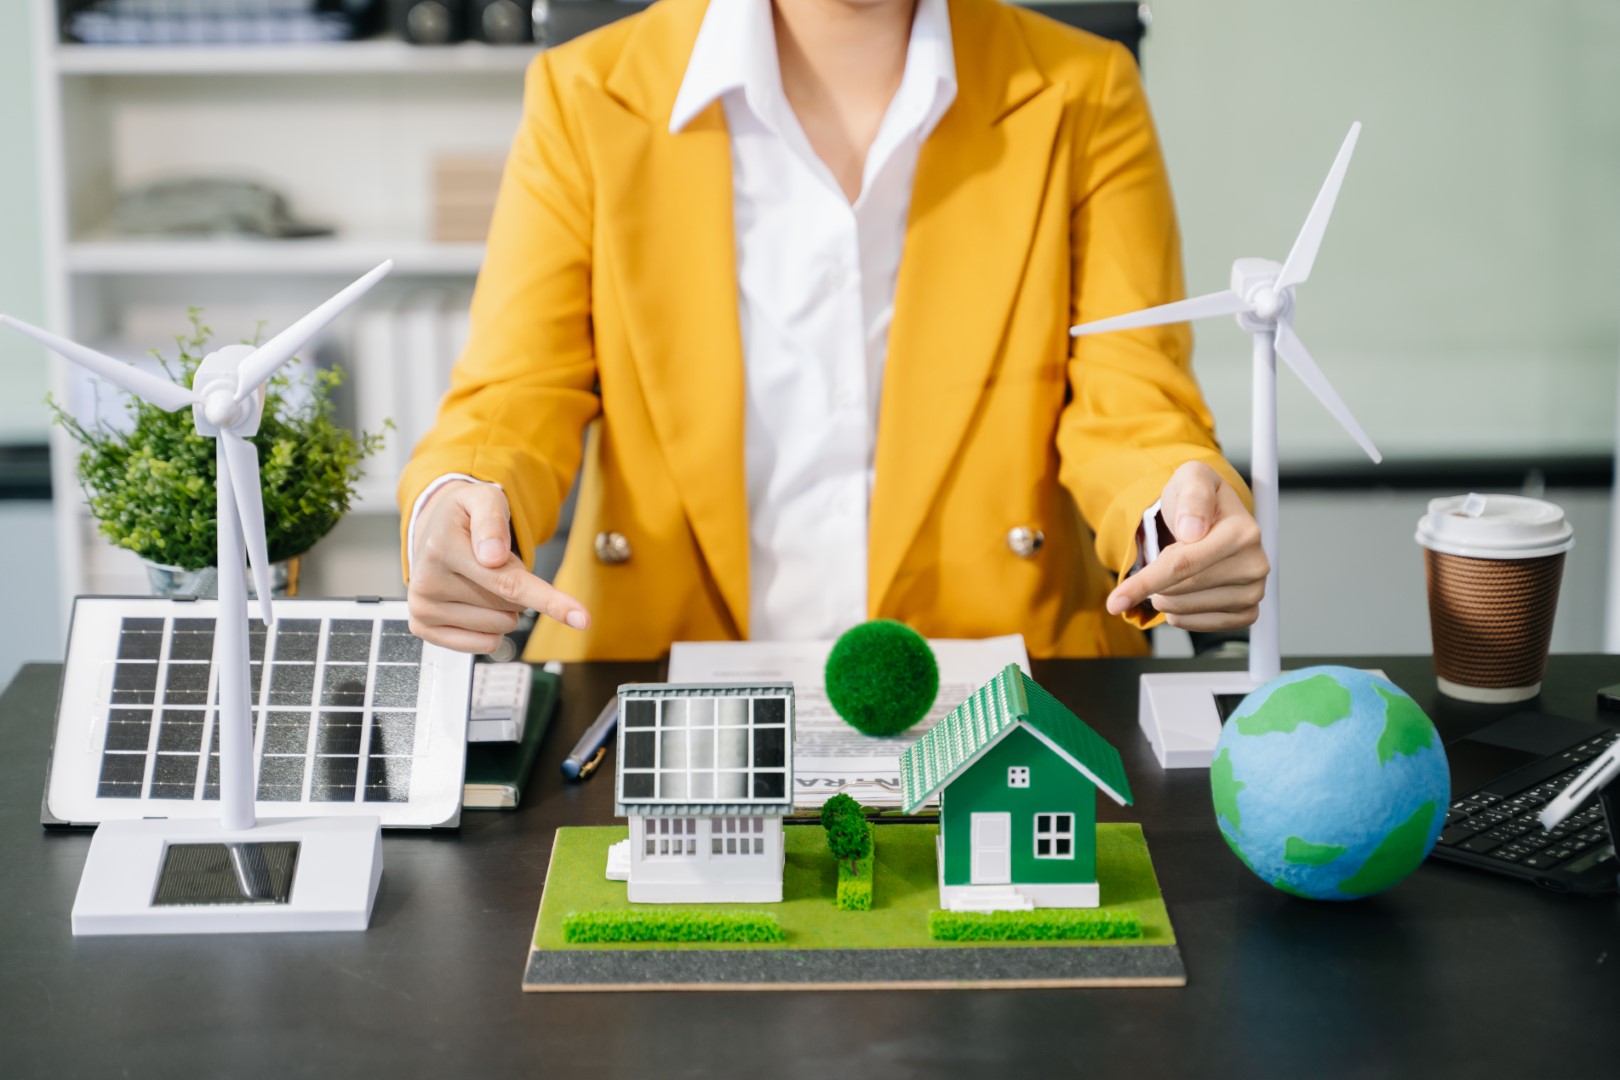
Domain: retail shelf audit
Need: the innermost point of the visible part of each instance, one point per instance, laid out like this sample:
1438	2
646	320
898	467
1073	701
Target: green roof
994	709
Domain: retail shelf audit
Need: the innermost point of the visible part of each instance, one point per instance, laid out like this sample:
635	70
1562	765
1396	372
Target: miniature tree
849	837
882	677
834	807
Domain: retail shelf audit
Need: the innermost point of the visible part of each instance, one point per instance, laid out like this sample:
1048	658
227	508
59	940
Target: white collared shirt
816	276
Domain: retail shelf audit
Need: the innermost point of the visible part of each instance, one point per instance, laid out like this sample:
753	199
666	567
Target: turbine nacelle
214	389
1255	280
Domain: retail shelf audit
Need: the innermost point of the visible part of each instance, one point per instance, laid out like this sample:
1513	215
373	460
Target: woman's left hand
1213	576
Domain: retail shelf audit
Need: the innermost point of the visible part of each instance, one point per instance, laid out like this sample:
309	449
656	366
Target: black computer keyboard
1506	827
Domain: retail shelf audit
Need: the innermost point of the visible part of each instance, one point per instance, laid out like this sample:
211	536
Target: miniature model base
1012	897
1180	716
180	876
824	948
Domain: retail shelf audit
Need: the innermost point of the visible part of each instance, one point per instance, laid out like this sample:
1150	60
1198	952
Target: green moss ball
882	677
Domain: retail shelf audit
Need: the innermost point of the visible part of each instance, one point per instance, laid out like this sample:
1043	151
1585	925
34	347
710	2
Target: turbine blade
143	384
242	458
1293	351
1298	265
262	363
1199	307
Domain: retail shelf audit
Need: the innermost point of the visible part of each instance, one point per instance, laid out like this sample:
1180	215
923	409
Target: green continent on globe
1321	700
1397	855
1224	786
1406	729
1290	890
882	677
1305	853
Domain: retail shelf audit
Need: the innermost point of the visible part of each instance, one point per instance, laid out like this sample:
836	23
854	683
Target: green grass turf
906	889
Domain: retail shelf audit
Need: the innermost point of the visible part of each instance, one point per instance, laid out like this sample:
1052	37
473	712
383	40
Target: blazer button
612	548
1024	541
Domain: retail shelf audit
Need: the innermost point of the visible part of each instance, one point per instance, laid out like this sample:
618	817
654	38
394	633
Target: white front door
992	849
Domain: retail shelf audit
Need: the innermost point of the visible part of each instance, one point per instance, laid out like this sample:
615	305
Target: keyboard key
1540	861
1508	855
1481	845
1457	834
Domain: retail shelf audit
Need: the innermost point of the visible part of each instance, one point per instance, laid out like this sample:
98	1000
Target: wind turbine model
161	875
1181	713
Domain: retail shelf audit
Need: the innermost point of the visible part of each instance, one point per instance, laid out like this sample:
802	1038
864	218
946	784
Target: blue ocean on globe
1330	783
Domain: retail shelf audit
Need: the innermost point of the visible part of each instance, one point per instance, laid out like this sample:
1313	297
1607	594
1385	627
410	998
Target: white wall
1467	300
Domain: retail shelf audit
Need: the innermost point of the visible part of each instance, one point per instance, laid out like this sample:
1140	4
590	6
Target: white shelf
374	57
250	256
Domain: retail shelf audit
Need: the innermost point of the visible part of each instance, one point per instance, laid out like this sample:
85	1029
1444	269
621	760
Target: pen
587	753
1603	769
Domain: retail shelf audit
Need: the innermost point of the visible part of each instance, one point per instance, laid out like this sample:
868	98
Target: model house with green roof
1016	775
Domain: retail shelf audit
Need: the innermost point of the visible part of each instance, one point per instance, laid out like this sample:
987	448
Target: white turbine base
1177	712
334	881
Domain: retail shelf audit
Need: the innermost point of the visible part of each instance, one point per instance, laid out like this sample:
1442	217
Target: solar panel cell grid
329	708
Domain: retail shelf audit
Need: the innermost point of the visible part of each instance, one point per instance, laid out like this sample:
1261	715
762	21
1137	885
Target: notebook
496	772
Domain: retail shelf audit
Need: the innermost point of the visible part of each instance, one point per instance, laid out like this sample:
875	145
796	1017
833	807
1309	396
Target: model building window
698	749
1018	776
1054	836
671	837
738	836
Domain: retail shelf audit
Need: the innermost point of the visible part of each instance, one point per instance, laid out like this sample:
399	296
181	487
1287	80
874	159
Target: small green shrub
622	927
151	489
882	677
1041	924
855	887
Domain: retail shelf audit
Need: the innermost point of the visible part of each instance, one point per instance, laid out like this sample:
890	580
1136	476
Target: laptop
1501	777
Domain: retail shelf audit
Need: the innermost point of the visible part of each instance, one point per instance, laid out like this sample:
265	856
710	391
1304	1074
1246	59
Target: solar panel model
351	714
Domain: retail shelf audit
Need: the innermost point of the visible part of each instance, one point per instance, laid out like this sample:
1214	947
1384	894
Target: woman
812	263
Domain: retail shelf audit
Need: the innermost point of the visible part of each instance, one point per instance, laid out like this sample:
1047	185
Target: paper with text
829	756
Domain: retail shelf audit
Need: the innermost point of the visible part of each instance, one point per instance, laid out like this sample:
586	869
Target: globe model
1330	783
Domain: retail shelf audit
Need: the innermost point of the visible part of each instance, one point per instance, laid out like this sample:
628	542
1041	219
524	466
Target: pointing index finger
513	583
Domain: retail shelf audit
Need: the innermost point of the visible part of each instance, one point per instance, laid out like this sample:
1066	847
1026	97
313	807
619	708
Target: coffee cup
1494	564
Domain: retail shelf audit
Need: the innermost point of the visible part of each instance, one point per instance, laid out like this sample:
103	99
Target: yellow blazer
609	294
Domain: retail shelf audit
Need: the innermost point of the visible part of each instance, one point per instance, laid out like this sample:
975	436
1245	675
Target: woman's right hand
467	586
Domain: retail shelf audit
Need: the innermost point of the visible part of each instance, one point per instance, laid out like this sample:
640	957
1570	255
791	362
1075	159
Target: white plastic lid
1495	527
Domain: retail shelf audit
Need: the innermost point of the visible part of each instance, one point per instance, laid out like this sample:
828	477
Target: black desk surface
1452	973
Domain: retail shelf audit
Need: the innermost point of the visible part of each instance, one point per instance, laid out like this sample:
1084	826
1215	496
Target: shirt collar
736	50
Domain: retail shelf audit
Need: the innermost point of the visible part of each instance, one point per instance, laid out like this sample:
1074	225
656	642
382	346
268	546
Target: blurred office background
1466	303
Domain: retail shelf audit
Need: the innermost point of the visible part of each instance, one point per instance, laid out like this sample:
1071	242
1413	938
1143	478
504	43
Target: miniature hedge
624	927
1041	924
855	890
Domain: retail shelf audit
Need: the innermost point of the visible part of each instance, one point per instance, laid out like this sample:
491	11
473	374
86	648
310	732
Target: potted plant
151	488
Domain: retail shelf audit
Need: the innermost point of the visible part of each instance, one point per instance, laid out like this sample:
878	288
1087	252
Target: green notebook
496	772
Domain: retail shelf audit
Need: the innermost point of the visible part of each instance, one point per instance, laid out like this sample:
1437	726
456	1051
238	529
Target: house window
738	836
1054	836
671	838
1018	776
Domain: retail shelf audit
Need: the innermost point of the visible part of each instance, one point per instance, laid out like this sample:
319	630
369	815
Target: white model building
705	775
